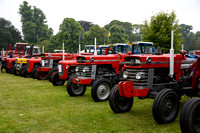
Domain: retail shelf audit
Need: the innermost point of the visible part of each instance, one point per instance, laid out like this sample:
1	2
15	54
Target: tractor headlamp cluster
125	74
140	75
76	69
86	69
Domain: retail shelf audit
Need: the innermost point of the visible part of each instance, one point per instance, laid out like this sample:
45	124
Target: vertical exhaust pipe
63	51
95	46
171	69
42	49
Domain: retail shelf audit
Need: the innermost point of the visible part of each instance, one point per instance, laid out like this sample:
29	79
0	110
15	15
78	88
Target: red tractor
19	51
102	72
31	67
49	64
165	78
67	67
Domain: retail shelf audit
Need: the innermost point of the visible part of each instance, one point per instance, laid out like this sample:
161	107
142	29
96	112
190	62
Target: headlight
42	62
60	68
125	74
86	69
66	67
92	59
140	75
148	60
77	68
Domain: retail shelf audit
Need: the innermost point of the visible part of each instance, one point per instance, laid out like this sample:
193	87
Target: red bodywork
126	88
66	64
113	59
19	50
56	57
31	63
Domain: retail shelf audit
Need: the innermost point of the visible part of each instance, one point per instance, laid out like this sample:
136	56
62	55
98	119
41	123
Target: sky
102	12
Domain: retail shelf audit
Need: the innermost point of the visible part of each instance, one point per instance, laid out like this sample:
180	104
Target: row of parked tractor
118	73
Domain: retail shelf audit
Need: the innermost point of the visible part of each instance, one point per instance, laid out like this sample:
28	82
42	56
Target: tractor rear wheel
12	68
54	69
56	81
117	103
33	73
101	89
41	75
75	89
190	116
26	74
22	70
166	106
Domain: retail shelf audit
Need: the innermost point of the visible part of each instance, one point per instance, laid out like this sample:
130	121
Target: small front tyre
101	89
56	81
117	103
166	106
75	89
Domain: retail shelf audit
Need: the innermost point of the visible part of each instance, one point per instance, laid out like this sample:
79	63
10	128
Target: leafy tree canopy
118	34
8	34
34	25
96	32
158	31
69	34
86	25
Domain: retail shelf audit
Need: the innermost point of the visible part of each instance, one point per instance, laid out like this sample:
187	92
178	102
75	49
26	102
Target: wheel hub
103	91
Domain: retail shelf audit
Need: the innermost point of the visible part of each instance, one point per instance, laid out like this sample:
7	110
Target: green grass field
30	105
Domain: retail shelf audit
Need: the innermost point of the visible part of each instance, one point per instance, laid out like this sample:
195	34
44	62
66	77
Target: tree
34	25
133	31
158	31
118	34
86	25
8	34
99	33
69	34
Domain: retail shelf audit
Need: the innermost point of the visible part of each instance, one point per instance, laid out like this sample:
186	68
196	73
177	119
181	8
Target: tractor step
187	88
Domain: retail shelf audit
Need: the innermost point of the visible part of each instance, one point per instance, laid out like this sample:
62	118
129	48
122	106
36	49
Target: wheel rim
103	91
169	107
196	120
77	88
42	75
122	102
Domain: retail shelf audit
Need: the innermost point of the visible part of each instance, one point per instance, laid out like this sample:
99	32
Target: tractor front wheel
117	103
56	81
75	89
166	106
54	69
101	89
190	116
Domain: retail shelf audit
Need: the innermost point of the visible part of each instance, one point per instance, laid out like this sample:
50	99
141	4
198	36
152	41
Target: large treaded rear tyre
117	103
166	106
190	116
75	89
101	89
56	81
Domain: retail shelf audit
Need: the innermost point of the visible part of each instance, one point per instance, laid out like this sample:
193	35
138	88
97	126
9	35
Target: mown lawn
29	105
